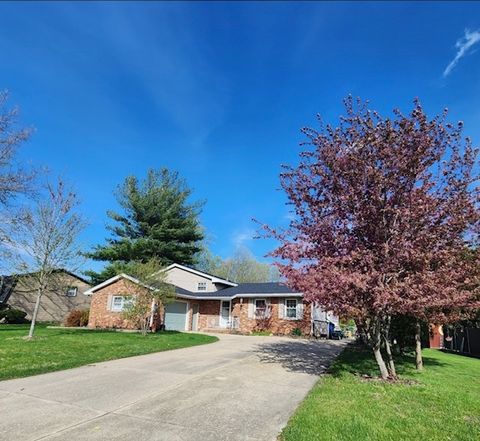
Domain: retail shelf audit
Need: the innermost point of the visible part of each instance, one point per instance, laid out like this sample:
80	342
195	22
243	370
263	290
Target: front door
224	313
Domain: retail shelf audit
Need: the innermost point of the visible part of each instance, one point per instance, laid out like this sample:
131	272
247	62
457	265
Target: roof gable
113	280
211	277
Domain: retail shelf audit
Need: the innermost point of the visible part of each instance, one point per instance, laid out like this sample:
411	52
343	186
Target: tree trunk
418	346
388	349
391	364
378	355
35	313
381	364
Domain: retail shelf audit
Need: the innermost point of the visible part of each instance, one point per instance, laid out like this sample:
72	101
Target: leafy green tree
156	221
148	297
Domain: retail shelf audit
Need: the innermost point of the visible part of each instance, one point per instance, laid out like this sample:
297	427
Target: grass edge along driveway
442	403
58	349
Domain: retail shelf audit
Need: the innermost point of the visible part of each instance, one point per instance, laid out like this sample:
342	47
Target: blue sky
219	91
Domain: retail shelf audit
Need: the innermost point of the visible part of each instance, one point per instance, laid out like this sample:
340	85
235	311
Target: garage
175	316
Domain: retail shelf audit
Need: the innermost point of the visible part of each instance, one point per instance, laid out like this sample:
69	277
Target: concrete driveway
240	388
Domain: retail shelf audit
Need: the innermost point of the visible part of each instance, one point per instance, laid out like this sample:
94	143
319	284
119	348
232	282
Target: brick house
208	303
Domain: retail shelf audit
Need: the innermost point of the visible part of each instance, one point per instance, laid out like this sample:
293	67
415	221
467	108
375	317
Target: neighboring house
208	303
66	293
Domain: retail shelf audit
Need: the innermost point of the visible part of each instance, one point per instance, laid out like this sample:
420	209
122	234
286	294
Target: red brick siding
100	316
276	324
209	312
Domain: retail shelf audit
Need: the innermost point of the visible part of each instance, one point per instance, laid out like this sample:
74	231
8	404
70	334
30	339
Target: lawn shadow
359	360
306	356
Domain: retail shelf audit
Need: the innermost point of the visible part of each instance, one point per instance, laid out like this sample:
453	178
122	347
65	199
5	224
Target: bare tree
14	179
45	240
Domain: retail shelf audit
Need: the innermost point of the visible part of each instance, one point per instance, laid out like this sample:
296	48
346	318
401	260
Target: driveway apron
241	388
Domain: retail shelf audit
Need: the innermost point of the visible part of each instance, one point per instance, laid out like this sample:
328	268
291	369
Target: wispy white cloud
241	237
463	46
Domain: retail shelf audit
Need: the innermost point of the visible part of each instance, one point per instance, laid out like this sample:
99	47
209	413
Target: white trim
286	317
214	279
255	305
186	296
268	294
193	315
229	312
113	280
122	306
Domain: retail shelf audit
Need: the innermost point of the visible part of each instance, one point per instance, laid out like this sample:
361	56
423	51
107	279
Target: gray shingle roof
243	288
198	294
258	288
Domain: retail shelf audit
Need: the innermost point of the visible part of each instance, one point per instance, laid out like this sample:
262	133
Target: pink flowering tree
384	209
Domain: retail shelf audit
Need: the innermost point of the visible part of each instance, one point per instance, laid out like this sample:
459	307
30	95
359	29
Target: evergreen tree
156	221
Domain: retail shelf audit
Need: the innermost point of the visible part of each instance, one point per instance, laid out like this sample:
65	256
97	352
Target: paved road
240	388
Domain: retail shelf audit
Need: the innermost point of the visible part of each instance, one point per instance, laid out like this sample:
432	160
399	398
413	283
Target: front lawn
56	349
442	403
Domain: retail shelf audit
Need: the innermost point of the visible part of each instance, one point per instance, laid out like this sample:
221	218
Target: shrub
297	332
77	317
12	315
85	317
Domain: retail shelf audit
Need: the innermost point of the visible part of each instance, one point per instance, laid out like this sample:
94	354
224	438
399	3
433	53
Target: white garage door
175	316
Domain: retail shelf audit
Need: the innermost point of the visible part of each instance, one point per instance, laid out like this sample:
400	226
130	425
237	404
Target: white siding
189	281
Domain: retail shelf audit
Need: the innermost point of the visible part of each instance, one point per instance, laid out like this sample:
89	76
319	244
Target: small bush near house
297	332
77	317
12	315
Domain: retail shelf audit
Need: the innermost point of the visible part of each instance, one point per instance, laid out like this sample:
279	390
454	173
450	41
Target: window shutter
300	310
109	302
251	307
281	308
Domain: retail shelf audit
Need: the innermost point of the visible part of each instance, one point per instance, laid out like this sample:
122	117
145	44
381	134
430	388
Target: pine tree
156	221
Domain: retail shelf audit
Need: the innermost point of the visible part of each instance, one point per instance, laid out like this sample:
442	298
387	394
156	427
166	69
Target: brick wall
100	315
210	310
275	324
209	314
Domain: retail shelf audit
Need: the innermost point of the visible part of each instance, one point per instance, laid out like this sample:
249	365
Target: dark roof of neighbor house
56	271
248	289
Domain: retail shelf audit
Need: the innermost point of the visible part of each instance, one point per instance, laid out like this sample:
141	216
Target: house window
71	291
291	308
260	308
202	286
120	303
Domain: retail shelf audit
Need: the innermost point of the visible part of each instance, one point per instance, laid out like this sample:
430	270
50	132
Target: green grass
261	333
442	403
57	349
